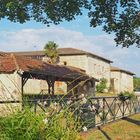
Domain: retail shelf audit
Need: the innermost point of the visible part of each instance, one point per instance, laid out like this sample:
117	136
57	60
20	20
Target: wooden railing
93	112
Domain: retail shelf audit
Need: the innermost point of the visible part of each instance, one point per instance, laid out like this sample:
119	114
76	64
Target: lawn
126	129
105	94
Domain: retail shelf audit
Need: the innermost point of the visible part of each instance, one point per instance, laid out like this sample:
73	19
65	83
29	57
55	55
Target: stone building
121	80
93	64
20	75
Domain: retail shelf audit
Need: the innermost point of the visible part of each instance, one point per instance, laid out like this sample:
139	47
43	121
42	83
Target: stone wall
10	91
122	81
99	69
126	82
79	61
10	86
34	86
93	66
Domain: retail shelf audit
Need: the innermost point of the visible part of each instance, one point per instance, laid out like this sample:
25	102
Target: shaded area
104	133
132	120
120	130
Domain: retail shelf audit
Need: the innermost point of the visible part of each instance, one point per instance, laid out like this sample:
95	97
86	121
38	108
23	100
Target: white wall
10	91
10	87
79	61
122	81
99	69
93	66
34	86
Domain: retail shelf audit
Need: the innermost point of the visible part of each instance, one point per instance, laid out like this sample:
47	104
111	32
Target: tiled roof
73	51
30	53
121	70
10	63
64	51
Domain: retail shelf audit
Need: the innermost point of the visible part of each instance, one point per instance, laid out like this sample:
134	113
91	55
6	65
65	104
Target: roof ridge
114	68
62	51
15	61
74	49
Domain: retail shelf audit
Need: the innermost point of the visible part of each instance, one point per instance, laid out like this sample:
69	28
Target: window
65	63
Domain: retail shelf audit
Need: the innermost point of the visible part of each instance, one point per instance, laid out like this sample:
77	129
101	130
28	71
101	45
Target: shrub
61	120
22	125
102	85
126	95
136	83
30	126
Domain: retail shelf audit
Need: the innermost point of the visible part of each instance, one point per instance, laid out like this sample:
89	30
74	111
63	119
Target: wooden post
23	82
22	92
49	87
53	87
50	82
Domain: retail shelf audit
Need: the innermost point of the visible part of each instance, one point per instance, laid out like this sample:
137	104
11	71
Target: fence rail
93	112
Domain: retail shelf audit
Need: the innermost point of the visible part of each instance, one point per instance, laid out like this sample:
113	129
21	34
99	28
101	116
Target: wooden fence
93	112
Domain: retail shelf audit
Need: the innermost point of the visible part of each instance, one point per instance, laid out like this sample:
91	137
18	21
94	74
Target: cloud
104	45
35	39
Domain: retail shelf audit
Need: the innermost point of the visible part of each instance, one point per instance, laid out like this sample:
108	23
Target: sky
32	36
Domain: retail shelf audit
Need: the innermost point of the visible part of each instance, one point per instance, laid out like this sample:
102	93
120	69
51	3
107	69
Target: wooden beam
23	82
22	90
50	81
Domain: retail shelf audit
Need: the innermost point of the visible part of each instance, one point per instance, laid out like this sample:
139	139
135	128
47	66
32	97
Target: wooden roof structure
28	67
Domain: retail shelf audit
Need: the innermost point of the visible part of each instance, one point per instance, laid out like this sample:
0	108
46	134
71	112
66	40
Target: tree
51	51
136	83
120	17
102	85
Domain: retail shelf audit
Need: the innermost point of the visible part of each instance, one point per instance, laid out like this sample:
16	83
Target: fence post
123	113
104	111
114	110
35	105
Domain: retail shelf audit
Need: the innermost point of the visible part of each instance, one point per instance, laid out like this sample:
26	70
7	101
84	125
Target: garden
65	119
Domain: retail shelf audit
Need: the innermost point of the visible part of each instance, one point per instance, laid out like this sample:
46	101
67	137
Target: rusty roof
121	70
64	52
9	63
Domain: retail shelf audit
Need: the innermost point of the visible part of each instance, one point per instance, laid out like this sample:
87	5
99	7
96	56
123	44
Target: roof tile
10	63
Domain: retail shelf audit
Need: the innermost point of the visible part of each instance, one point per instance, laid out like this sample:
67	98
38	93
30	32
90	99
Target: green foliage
102	85
27	125
22	125
62	126
51	51
121	17
103	116
126	95
136	83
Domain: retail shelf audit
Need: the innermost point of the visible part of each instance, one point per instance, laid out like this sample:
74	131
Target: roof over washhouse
31	68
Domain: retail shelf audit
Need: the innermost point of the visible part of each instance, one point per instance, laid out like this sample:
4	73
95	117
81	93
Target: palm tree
51	52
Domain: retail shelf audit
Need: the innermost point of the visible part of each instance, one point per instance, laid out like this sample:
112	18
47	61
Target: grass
127	129
105	94
27	125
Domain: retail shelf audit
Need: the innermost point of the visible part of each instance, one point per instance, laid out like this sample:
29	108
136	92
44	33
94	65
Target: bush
61	121
101	86
22	125
136	83
27	125
126	95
